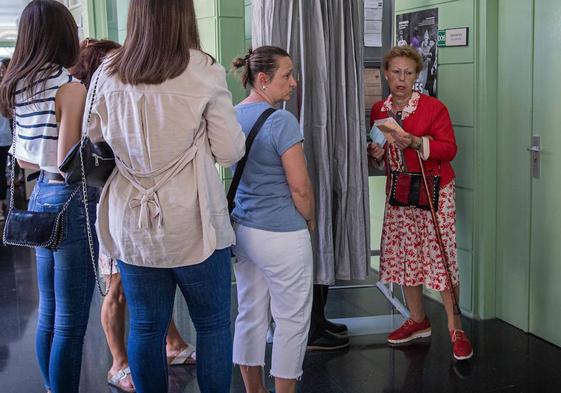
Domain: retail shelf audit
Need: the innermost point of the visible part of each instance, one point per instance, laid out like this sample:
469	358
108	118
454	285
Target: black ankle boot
326	341
337	329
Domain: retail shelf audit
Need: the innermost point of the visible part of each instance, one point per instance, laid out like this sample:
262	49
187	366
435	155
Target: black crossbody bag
32	229
241	165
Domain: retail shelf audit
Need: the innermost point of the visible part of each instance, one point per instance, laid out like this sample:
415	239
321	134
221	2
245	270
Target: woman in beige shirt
164	108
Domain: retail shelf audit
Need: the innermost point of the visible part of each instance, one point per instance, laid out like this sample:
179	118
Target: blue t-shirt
263	199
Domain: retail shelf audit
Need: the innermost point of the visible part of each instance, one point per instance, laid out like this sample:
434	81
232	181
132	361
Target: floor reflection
506	359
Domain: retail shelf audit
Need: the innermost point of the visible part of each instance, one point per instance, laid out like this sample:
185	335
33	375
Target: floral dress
410	254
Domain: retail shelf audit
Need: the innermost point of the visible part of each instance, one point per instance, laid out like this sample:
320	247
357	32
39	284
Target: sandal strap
187	353
121	374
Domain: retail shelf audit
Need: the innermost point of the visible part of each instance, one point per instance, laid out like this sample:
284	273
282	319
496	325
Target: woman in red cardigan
410	254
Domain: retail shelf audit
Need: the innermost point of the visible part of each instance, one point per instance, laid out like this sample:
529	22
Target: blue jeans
150	295
66	282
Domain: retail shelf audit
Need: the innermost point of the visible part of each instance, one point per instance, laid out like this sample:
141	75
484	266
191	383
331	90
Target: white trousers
274	278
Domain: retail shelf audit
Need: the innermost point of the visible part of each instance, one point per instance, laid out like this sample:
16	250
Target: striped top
36	128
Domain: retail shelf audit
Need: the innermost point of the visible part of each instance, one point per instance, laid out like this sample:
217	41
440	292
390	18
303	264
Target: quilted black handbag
33	229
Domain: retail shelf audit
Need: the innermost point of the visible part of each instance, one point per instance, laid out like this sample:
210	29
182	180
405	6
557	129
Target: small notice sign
453	37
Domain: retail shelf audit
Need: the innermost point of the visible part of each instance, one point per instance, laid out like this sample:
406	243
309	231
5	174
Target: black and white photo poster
420	29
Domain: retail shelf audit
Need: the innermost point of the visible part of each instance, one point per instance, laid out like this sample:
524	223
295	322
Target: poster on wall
420	30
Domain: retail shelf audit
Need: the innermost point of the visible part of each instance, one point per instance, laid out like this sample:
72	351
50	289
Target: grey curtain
325	39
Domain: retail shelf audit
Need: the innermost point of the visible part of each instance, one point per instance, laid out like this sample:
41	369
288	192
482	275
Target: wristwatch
418	145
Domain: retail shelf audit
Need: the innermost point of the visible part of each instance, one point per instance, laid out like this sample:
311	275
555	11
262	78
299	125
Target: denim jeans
66	282
150	295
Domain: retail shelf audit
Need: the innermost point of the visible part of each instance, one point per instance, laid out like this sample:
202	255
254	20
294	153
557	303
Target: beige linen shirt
164	205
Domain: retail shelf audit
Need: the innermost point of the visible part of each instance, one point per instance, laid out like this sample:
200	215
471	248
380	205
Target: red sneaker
461	345
409	331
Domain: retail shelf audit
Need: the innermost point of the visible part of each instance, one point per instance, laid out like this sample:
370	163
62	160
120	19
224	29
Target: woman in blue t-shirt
273	216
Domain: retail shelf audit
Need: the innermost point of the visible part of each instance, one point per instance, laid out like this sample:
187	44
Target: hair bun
239	62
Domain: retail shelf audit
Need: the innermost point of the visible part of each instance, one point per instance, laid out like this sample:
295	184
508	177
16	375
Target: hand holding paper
393	132
391	129
377	136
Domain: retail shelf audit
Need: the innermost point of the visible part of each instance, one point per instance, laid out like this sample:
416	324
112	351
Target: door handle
535	151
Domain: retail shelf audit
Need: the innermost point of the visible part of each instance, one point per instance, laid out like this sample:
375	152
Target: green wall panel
205	8
100	19
122	13
112	21
464	162
457	14
456	89
207	32
232	44
247	16
231	8
232	39
122	16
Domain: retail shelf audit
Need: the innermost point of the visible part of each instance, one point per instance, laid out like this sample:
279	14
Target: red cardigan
431	118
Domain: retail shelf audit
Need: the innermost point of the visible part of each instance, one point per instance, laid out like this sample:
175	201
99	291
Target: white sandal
187	356
116	380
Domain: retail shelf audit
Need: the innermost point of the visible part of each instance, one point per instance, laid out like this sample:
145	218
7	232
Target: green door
529	203
545	265
514	125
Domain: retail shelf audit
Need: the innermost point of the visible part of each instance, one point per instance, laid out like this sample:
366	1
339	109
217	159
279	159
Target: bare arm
28	165
294	164
70	102
227	141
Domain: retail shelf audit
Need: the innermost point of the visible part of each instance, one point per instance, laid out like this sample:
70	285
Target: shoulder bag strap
84	187
241	165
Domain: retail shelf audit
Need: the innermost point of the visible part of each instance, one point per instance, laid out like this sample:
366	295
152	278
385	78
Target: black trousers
3	181
317	325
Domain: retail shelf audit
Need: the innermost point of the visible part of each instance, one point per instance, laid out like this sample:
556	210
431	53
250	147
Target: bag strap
85	192
241	165
12	161
400	156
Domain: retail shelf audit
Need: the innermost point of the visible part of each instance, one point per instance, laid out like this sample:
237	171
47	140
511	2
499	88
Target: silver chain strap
13	162
85	196
59	219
